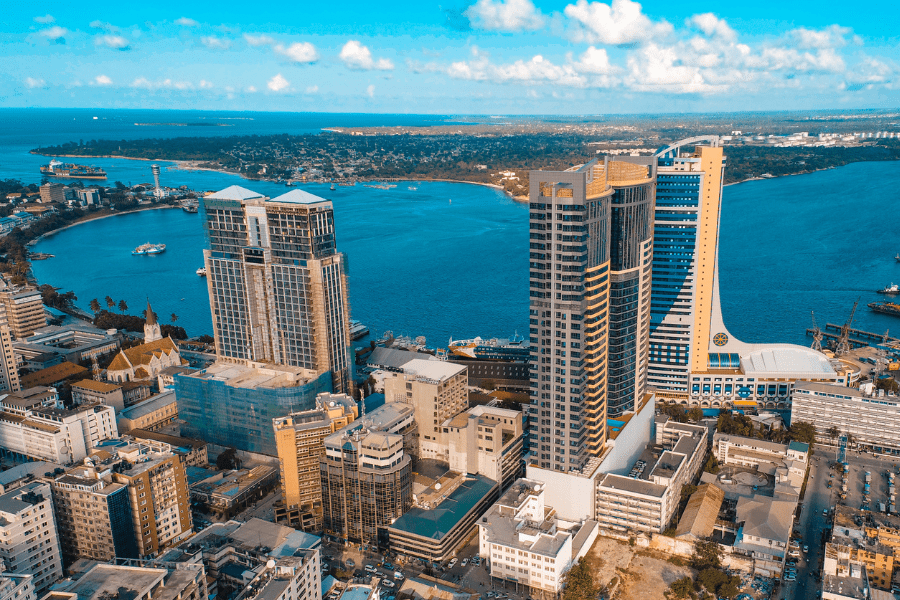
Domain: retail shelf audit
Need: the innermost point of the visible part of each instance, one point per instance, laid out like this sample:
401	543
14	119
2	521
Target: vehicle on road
452	563
465	561
398	575
387	583
370	568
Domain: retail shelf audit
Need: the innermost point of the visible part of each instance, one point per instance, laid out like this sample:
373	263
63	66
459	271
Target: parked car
370	568
465	561
452	563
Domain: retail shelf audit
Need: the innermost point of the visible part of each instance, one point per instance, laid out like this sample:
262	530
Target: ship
149	249
891	290
887	308
189	208
358	330
71	171
201	271
515	348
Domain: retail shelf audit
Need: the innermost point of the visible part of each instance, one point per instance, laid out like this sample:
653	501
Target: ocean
423	265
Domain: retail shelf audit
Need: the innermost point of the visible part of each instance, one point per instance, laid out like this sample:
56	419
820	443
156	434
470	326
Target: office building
866	539
9	364
590	275
24	310
193	453
143	580
75	343
29	543
53	192
438	391
17	587
88	197
232	404
277	284
522	540
60	435
300	439
871	418
153	413
90	391
226	493
485	440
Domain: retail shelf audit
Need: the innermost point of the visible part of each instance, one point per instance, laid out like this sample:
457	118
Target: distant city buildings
60	435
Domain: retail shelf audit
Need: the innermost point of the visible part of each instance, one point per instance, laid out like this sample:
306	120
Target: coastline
94	218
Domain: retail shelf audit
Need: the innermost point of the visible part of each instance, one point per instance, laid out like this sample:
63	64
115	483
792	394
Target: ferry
515	348
887	308
149	249
71	171
891	290
357	330
201	271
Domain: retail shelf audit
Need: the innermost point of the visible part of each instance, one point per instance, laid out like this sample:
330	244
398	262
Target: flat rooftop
148	406
441	519
787	360
106	580
437	370
264	376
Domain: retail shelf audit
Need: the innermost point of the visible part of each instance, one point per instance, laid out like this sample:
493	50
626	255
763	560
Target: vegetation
707	555
888	384
681	588
711	465
228	460
580	583
110	320
718	582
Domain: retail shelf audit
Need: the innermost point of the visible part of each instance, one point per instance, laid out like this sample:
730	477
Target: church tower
152	332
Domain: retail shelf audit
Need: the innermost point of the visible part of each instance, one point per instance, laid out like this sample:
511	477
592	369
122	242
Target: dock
858	337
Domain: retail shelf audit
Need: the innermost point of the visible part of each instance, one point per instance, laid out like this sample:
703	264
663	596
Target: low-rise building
763	531
152	414
144	362
29	543
52	376
786	462
90	391
74	342
225	493
194	453
843	577
145	580
423	587
523	541
60	435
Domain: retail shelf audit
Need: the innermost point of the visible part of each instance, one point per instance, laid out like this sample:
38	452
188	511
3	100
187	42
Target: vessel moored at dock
149	249
887	308
71	171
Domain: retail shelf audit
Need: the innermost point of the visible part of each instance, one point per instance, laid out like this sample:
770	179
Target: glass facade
122	524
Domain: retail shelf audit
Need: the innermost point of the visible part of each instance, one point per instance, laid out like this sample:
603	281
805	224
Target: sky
469	57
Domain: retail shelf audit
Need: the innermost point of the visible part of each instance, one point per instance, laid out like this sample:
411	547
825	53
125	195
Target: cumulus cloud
278	83
870	73
833	36
312	89
356	56
712	26
55	33
166	84
186	22
215	43
45	20
205	85
298	52
619	23
370	91
102	80
536	70
595	61
116	42
251	89
505	15
108	27
259	40
31	82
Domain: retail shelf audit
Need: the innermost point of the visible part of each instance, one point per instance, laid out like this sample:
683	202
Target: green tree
707	555
718	582
712	465
695	414
95	306
580	583
805	432
110	303
833	432
123	306
228	460
682	588
173	318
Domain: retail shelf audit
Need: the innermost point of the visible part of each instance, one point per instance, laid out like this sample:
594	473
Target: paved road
811	525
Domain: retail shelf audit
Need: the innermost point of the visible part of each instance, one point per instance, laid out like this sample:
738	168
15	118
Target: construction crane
817	334
842	346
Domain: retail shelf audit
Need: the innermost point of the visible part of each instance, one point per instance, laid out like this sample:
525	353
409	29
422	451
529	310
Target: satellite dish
270	564
437	486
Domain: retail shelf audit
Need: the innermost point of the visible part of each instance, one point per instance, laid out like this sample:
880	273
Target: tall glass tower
277	285
589	287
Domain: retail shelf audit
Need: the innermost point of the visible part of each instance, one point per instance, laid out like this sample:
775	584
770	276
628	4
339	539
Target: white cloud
116	42
163	84
370	91
205	85
299	52
833	36
108	27
278	83
312	89
712	26
259	40
619	23
54	33
31	82
538	69
870	73
251	89
102	80
356	56
661	69
215	43
186	22
594	61
505	15
45	20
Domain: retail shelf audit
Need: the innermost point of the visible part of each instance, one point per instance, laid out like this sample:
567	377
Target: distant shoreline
88	218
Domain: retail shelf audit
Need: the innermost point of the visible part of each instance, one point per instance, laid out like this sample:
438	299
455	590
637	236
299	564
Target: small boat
149	249
897	258
189	208
358	330
892	289
412	187
201	271
332	188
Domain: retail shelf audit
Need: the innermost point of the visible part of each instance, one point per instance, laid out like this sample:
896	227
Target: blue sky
473	57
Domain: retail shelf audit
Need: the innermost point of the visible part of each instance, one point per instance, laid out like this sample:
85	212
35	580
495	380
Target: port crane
842	346
817	334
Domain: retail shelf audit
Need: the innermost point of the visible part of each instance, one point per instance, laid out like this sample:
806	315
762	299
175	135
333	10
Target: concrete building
872	419
53	192
296	577
25	473
763	531
29	399
590	265
9	364
858	535
786	462
226	493
29	543
300	440
485	440
24	310
17	587
438	391
153	413
277	284
90	391
146	580
523	541
232	404
60	435
88	196
144	362
53	376
844	577
193	453
647	498
76	342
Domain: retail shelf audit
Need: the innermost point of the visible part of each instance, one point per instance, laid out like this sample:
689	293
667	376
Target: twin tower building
622	265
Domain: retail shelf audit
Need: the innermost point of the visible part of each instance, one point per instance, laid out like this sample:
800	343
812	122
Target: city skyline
483	57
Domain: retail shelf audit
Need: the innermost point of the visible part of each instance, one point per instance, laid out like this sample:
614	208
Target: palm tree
95	306
110	303
174	317
122	306
833	432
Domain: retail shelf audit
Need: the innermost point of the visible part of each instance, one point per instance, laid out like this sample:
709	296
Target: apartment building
17	587
24	310
146	580
296	577
9	363
524	541
438	391
29	543
60	435
89	391
486	440
300	440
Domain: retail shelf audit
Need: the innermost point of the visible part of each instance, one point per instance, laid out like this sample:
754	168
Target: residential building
25	473
871	418
522	540
232	404
193	453
53	192
485	440
300	440
9	364
153	413
89	391
29	543
277	284
226	493
296	577
438	391
857	535
590	266
646	499
60	435
29	399
88	196
763	531
75	343
24	310
146	580
843	577
17	587
423	587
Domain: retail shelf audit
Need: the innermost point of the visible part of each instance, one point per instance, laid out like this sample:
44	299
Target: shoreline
93	218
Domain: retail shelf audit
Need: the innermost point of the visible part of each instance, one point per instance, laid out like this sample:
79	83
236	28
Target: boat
189	208
413	187
897	258
378	186
71	171
149	249
515	348
201	271
333	187
887	308
358	330
892	290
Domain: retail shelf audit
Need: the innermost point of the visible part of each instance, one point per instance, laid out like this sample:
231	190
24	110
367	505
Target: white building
17	587
524	541
873	420
486	440
28	540
786	462
297	577
60	435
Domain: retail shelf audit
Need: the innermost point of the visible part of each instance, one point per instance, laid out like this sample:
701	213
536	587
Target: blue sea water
422	265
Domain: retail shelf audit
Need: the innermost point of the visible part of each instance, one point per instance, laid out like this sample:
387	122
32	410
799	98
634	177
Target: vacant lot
641	574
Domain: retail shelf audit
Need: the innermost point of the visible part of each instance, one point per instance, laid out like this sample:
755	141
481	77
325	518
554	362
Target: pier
858	337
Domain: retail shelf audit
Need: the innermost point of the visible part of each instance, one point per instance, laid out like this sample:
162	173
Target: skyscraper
277	285
589	287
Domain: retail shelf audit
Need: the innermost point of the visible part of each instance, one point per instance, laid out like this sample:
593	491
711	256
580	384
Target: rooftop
792	360
21	499
767	518
254	376
436	370
441	519
52	375
234	192
148	406
392	358
298	197
101	387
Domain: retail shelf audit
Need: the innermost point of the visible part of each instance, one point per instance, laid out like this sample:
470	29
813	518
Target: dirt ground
641	573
